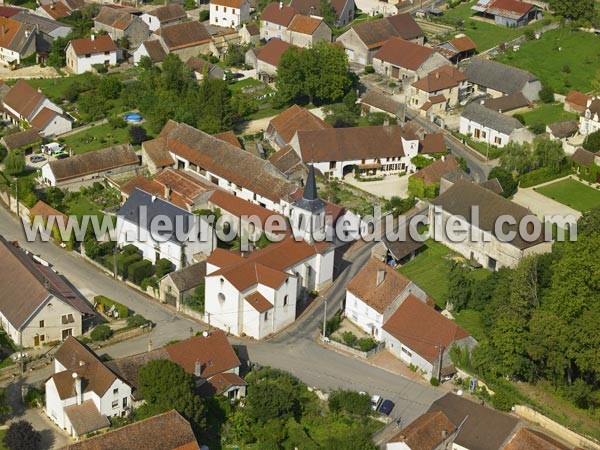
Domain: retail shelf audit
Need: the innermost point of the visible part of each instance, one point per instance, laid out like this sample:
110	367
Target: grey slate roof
564	129
189	277
43	24
491	119
499	77
383	102
154	207
507	102
310	200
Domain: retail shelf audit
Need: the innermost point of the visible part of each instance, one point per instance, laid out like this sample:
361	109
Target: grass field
480	147
83	206
572	67
572	193
486	35
548	114
2	434
96	138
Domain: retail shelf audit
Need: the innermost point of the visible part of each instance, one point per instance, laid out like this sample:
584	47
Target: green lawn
429	270
572	67
485	34
2	434
548	114
96	138
83	206
472	321
572	193
247	82
490	152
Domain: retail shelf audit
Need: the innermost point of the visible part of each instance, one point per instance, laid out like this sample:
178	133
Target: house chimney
150	345
3	29
437	75
198	369
81	363
380	277
167	192
444	434
153	198
280	5
93	37
78	393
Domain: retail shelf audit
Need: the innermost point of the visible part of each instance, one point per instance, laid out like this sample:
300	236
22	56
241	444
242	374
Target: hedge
130	249
101	333
542	175
417	188
124	261
163	267
106	302
139	270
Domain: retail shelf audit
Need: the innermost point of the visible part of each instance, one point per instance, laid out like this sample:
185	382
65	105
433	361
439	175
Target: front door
66	333
36	340
395	72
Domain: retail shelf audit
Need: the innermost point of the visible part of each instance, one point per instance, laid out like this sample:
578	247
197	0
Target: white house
25	105
141	222
589	121
480	242
422	337
82	54
229	13
83	393
168	14
495	129
17	41
37	306
370	150
375	293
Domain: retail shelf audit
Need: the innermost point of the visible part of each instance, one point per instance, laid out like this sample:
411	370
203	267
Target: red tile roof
258	302
229	3
229	137
220	383
463	44
445	77
379	297
577	100
10	29
23	98
293	119
44	210
213	352
304	25
57	10
271	52
86	418
99	44
167	431
8	12
434	172
279	15
42	118
426	431
421	328
185	34
515	6
145	184
527	439
238	206
403	53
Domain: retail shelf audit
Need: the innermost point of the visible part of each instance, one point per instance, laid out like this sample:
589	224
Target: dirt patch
28	72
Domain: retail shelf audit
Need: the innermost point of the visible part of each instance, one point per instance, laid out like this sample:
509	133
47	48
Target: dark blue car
386	407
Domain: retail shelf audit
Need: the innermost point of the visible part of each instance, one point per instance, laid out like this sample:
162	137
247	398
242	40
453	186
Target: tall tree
574	9
21	436
517	158
327	12
14	163
506	180
549	153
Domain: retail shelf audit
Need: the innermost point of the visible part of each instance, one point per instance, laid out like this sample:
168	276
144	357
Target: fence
568	435
352	350
521	39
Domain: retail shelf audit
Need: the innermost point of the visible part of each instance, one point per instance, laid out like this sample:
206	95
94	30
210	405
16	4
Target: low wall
568	435
351	350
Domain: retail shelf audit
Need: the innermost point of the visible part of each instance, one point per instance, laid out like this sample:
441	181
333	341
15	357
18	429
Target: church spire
310	190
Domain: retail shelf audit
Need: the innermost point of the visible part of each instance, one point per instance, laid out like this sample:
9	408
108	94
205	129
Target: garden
563	59
573	194
546	114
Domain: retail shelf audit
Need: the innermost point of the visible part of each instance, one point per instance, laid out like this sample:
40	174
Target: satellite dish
74	375
205	333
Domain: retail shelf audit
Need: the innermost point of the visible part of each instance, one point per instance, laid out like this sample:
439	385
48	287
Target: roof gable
93	44
185	34
403	53
93	162
278	13
23	98
491	119
497	76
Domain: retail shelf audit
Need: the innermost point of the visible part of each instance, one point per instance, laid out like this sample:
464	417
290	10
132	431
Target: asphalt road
295	350
478	168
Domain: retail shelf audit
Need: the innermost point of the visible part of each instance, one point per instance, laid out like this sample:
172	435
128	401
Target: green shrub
434	381
502	400
124	261
106	302
139	270
163	267
350	402
333	325
130	249
137	320
101	332
366	344
542	175
204	15
369	69
546	94
349	338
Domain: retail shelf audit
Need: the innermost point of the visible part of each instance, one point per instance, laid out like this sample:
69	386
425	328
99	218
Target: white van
52	148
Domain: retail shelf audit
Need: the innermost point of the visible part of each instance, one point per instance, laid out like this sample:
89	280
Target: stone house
119	23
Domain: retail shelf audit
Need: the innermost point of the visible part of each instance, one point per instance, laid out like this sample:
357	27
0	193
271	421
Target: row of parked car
380	405
53	149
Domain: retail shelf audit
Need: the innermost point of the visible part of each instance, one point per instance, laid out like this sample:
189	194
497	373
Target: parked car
386	407
37	158
62	156
375	402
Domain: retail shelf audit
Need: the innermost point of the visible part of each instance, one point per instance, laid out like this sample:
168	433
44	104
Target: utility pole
324	317
17	194
208	315
21	356
115	261
441	348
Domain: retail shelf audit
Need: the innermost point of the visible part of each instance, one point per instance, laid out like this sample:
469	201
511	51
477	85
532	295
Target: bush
520	118
137	271
204	15
434	381
542	175
137	320
163	267
502	400
350	402
369	69
130	249
333	325
349	338
546	94
14	163
124	261
366	344
137	134
22	436
101	333
537	128
107	303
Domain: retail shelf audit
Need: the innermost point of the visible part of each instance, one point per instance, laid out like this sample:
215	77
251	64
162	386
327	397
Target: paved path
391	185
541	205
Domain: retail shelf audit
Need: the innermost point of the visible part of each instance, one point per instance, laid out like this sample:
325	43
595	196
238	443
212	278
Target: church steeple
308	212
